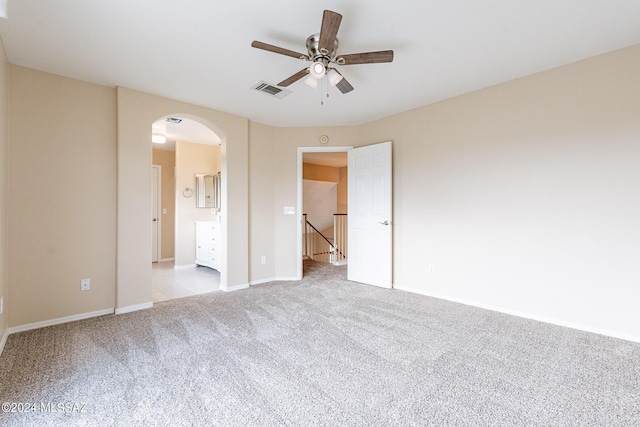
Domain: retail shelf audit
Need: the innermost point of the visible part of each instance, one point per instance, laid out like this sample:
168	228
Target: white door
370	222
155	210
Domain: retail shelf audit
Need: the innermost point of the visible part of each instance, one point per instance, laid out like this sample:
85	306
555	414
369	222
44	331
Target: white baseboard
180	267
3	341
132	308
58	321
167	259
273	279
261	281
525	315
226	288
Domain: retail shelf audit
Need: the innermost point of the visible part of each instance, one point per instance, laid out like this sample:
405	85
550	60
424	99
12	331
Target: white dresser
208	244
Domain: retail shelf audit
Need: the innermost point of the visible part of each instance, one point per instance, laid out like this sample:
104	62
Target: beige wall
314	172
63	138
273	186
191	159
262	190
167	160
320	201
328	173
525	195
4	136
61	196
287	141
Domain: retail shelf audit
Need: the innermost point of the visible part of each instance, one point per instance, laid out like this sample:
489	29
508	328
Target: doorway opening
322	206
183	149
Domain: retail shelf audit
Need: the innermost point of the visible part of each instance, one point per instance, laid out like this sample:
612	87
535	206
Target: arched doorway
187	156
136	112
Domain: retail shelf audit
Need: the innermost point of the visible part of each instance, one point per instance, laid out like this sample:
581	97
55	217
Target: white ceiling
199	51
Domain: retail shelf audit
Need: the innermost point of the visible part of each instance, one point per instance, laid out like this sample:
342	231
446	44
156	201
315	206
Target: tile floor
170	283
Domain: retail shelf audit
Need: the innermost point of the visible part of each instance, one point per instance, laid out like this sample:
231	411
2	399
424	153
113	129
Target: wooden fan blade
365	58
297	76
280	50
344	86
329	30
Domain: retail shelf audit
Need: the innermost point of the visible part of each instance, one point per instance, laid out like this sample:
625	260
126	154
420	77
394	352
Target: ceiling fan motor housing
316	54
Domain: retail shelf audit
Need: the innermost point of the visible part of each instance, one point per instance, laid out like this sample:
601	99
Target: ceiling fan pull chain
325	85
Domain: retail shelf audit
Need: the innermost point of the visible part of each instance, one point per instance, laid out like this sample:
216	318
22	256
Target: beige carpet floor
324	352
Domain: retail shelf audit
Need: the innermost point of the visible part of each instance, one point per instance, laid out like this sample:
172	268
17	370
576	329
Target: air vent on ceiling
270	89
173	120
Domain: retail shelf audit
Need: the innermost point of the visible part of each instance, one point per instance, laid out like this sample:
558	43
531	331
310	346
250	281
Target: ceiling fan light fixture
158	139
334	77
317	70
312	81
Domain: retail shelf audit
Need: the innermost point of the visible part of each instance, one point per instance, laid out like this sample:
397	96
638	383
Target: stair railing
340	238
318	247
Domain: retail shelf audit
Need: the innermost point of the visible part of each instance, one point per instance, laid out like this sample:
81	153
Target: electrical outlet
85	284
431	269
263	259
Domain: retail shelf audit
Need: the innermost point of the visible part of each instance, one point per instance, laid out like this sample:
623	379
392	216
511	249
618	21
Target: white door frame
157	169
301	151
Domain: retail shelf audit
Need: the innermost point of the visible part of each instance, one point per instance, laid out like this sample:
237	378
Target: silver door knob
384	223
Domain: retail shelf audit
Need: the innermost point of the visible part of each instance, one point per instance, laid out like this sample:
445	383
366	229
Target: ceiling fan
322	52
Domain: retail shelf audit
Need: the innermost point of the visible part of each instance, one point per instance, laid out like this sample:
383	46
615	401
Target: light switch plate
289	210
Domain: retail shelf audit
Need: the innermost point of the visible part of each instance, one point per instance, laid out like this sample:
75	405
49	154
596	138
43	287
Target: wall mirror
208	190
